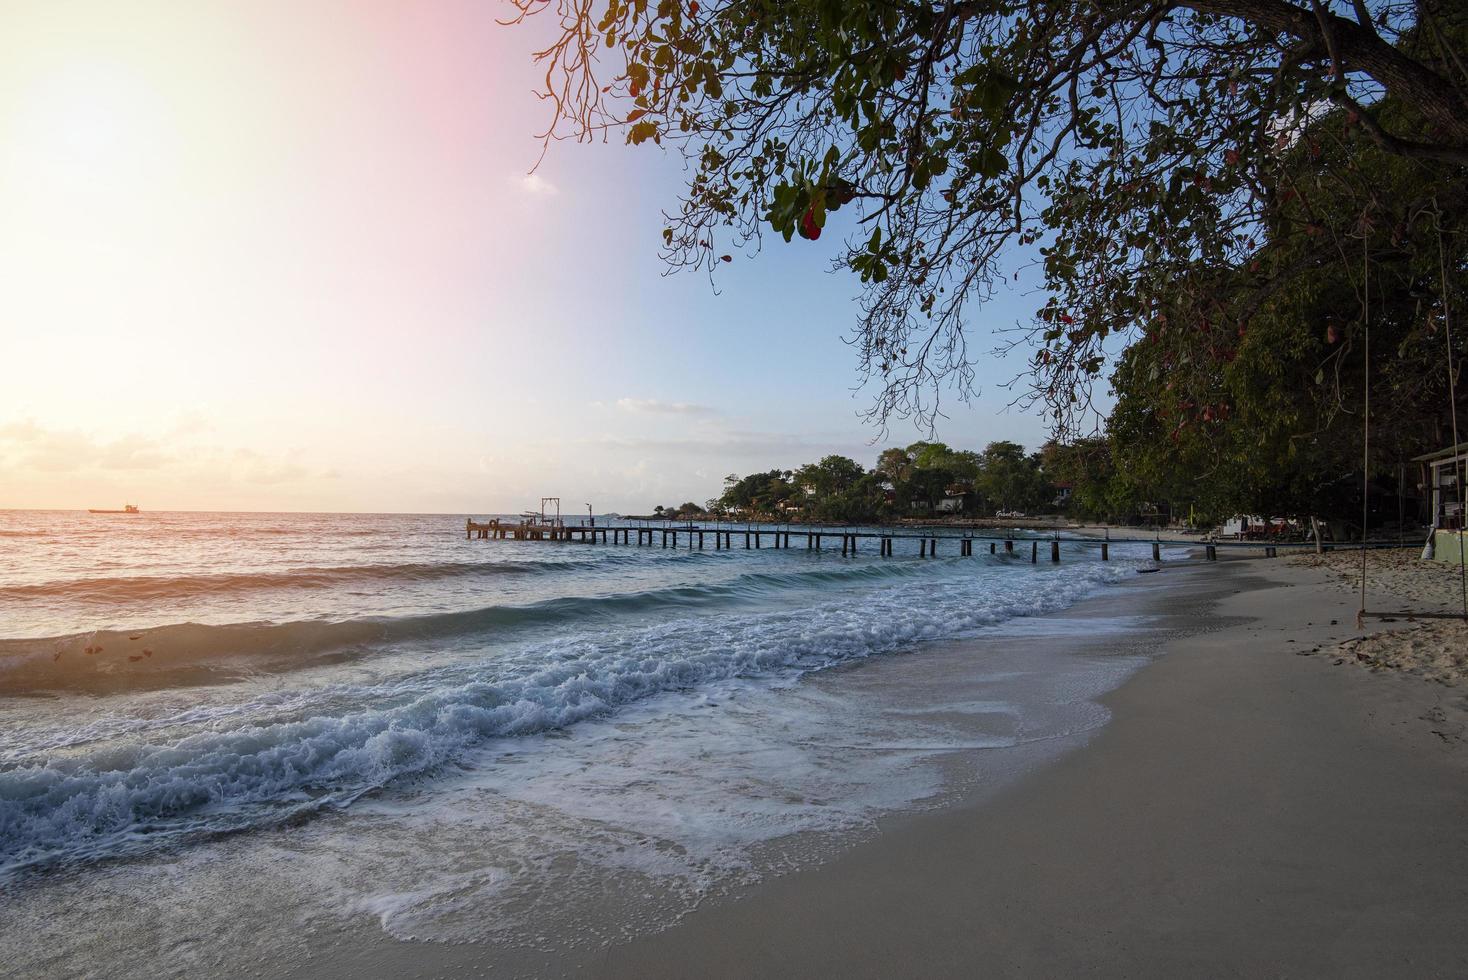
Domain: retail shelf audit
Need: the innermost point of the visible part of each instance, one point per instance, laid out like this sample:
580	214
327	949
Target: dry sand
1403	585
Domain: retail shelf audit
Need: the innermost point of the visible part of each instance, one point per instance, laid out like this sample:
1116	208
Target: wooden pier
814	538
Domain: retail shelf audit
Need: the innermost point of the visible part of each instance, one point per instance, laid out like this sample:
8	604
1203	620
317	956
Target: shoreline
1117	626
1188	798
1243	812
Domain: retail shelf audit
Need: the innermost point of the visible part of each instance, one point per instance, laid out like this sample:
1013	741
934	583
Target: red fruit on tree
808	227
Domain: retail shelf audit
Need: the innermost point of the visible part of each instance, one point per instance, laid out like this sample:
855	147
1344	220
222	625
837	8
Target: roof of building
1461	449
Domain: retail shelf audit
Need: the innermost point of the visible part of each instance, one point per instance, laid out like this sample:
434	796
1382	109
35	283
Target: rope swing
1458	469
1365	418
1442	265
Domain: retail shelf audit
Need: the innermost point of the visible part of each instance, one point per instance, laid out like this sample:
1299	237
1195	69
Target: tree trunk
1360	49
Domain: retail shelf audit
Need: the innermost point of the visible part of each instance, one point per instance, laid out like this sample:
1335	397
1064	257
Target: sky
280	256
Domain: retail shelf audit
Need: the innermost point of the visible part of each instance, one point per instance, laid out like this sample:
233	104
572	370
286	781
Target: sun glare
86	126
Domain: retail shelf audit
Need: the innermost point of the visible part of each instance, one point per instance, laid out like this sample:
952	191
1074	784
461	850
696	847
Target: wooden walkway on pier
818	538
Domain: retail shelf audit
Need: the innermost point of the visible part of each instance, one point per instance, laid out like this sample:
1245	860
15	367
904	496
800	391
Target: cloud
743	444
652	406
537	186
24	445
65	451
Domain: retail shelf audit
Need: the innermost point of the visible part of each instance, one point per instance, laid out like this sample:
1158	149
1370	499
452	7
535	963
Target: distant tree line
923	479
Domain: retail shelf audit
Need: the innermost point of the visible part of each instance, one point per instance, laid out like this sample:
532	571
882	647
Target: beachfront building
1446	471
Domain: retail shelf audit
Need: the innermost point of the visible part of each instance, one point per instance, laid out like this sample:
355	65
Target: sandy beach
1256	807
1248	812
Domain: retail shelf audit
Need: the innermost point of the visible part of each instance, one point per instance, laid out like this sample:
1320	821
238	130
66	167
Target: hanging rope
1365	418
1442	264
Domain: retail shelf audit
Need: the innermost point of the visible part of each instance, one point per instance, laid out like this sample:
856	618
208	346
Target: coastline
1186	798
1244	812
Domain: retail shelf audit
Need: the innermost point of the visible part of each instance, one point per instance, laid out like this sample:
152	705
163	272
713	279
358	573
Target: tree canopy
906	482
1161	158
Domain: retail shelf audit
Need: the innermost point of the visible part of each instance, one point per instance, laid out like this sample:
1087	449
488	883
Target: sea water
370	719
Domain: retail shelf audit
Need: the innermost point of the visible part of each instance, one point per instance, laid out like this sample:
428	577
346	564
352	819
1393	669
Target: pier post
1105	552
1055	551
746	540
756	540
1156	551
933	547
1034	552
700	540
809	540
923	547
818	542
665	537
992	547
1009	545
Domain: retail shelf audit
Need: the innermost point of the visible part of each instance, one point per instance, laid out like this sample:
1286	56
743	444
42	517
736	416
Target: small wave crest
110	660
153	588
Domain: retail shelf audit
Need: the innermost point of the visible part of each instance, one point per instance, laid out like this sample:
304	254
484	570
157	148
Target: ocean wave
112	589
152	588
131	798
112	660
